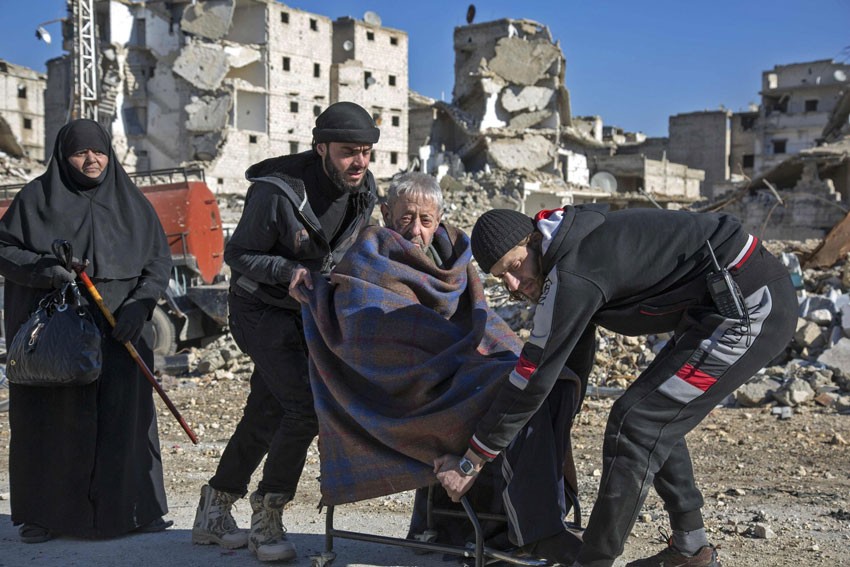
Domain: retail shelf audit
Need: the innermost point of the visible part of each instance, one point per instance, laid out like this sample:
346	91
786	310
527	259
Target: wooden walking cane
62	250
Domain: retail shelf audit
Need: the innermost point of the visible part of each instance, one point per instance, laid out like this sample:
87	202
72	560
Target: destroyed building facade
224	84
511	113
21	111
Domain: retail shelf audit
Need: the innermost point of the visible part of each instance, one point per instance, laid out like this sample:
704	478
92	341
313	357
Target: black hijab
107	220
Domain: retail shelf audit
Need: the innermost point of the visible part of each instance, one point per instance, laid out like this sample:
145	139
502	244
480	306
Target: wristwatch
467	467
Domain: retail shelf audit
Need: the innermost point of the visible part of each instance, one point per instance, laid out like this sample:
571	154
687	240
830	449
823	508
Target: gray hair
416	184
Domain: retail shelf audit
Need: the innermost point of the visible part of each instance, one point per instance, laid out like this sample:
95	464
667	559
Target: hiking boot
268	535
672	557
213	521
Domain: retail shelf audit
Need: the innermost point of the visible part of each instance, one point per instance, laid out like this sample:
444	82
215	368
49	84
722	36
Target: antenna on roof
371	17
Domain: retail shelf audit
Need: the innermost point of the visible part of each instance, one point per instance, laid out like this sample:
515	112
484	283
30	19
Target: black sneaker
672	557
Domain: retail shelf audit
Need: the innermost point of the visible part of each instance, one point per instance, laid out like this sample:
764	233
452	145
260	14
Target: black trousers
279	420
525	483
706	360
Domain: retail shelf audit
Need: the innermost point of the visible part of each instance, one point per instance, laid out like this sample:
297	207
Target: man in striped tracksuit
634	272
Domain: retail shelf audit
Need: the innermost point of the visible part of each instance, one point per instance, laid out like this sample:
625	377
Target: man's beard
335	174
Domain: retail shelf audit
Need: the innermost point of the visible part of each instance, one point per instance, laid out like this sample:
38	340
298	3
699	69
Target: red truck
194	310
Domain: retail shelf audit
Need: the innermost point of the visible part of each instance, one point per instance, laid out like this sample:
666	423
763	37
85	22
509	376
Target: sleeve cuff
482	450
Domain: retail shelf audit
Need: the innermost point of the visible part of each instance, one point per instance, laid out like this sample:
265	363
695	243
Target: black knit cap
496	232
345	122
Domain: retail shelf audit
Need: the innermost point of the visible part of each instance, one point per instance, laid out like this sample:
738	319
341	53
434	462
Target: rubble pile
815	368
16	170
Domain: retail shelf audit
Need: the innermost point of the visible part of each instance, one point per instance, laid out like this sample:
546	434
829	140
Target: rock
837	439
794	393
809	334
821	317
757	391
838	356
763	531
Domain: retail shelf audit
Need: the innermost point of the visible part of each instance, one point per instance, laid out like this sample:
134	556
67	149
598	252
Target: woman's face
90	163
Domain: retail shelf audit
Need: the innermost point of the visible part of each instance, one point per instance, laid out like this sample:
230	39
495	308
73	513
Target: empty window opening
293	147
812	105
367	79
396	121
317	110
393	40
27	123
293	106
314	24
370	36
748	122
284	17
219	180
317	70
22	91
748	161
252	139
779	146
286	63
392	80
393	158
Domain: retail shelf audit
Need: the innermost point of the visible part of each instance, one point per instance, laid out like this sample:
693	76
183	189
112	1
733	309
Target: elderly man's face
414	218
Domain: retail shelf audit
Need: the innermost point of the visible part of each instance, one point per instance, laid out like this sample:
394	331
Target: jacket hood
563	228
291	166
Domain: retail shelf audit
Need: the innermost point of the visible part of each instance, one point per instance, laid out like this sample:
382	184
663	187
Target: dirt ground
777	492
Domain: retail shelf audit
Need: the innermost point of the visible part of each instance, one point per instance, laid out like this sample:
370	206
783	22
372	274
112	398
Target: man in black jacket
635	271
302	212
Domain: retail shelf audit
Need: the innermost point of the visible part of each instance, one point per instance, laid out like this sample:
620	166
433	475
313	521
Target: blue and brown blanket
404	358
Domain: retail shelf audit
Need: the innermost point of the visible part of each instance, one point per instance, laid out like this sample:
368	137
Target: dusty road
788	480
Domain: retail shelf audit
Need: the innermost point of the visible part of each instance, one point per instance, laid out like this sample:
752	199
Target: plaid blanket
404	358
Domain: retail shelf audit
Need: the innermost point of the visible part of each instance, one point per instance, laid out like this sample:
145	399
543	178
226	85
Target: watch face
466	466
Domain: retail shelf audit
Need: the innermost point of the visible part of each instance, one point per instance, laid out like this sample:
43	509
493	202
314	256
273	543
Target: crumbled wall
22	111
509	79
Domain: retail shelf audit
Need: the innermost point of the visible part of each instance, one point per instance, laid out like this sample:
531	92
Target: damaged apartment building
511	112
783	166
227	83
21	111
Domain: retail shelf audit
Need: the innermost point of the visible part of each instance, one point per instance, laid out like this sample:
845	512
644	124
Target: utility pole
85	59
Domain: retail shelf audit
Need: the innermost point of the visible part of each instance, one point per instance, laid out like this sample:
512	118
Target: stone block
757	391
838	356
794	392
809	335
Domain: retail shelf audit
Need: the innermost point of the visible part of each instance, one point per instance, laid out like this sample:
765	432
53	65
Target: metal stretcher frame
480	552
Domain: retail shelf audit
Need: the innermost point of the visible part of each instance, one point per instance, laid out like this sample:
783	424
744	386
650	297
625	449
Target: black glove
60	276
130	322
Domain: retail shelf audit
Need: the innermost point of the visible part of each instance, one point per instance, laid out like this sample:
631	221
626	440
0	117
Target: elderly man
404	355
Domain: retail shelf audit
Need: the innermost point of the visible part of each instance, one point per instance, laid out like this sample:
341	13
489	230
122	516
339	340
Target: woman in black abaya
84	460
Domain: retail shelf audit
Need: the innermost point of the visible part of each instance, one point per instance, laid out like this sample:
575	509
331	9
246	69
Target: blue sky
633	63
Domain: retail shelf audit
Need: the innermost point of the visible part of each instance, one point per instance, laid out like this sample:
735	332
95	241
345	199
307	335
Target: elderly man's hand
300	284
456	483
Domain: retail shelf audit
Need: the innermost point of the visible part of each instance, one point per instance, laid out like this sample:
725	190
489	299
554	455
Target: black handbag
59	345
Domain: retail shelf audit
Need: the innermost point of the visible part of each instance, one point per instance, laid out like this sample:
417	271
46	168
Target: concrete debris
537	56
757	391
529	99
762	531
208	113
204	66
794	392
837	357
835	246
210	19
782	412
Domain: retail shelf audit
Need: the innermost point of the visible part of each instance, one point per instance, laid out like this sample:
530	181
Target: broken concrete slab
201	65
208	113
528	152
210	19
240	55
529	99
536	57
528	119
